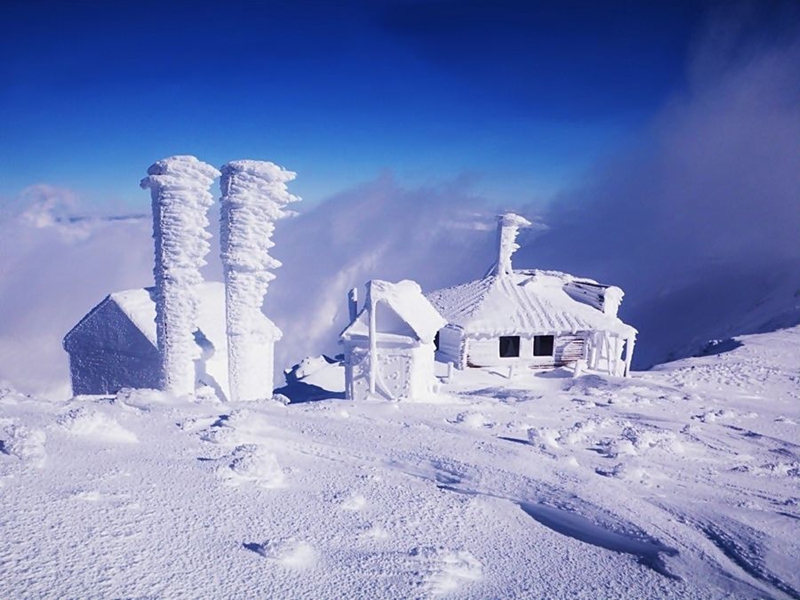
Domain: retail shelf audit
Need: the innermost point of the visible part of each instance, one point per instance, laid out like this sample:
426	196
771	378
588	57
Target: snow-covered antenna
179	190
508	226
254	195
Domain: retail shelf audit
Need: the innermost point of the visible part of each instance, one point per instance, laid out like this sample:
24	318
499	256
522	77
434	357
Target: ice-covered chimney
507	229
352	303
254	196
179	188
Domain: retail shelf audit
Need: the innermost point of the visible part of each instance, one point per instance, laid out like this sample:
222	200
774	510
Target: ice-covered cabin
531	318
114	345
389	345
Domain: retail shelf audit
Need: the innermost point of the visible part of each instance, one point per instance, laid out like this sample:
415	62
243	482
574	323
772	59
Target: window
509	346
543	345
436	340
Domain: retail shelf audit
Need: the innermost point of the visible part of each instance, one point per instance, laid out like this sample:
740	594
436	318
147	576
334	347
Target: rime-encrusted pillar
179	187
507	228
254	195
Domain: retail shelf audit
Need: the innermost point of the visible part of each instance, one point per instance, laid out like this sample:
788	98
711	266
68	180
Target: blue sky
517	97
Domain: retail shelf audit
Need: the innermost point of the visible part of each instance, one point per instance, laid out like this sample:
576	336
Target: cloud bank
56	266
439	235
700	221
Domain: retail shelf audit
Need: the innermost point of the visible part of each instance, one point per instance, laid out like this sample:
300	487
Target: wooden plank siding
592	294
484	351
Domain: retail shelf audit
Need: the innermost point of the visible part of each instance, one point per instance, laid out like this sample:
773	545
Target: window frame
537	342
510	345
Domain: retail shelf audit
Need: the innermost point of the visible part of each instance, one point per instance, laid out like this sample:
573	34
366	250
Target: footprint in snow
374	532
290	553
354	502
453	570
448	571
253	463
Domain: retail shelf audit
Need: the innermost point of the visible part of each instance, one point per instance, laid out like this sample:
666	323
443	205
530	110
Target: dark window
436	340
543	345
509	346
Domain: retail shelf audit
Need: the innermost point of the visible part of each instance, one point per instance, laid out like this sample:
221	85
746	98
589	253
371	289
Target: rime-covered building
389	344
115	345
532	318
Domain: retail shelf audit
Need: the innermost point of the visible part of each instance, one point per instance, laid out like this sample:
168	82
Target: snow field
538	486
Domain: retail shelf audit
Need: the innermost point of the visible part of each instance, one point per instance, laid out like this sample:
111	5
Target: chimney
507	229
179	189
352	303
254	197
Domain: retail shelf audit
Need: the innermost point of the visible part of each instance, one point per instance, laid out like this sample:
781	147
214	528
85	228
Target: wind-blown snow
677	483
254	197
179	186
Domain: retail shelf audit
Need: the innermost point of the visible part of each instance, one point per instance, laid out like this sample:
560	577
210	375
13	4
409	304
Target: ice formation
179	186
507	229
254	196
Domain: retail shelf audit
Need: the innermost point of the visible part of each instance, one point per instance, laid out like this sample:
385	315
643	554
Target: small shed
389	345
532	318
114	345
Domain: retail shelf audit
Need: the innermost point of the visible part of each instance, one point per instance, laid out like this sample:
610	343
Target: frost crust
179	187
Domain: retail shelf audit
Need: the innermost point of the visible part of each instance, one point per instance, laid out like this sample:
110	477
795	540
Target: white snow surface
254	196
520	302
179	186
677	483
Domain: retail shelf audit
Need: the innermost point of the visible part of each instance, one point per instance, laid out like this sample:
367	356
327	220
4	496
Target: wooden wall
484	351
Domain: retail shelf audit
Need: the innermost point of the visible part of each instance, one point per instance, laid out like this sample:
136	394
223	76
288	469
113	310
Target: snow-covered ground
680	482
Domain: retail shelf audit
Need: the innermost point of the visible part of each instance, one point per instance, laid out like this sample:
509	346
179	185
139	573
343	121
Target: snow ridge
254	196
179	187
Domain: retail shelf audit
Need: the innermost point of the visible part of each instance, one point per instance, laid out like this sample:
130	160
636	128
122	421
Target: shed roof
522	302
416	317
139	305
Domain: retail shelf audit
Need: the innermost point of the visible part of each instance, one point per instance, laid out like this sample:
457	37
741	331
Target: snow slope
678	483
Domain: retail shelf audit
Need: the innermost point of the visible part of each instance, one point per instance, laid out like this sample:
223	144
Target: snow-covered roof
139	306
522	302
415	317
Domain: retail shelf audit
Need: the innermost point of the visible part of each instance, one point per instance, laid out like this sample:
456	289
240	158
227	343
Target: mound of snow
254	463
95	425
26	444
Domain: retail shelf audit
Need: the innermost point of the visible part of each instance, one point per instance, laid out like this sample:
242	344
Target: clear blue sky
520	96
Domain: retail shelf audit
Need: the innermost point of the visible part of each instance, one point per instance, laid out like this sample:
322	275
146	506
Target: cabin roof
418	319
520	302
139	306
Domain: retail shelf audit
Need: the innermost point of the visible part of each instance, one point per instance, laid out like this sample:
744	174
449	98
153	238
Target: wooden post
373	345
631	342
